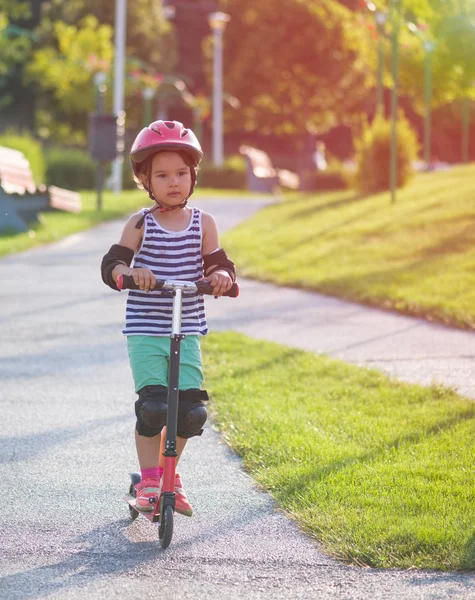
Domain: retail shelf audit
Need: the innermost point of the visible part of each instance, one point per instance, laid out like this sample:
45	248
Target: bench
262	176
21	200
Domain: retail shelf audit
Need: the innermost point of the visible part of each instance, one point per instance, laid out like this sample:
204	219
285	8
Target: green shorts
150	355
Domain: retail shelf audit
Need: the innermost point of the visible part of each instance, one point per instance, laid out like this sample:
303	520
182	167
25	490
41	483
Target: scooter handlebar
126	282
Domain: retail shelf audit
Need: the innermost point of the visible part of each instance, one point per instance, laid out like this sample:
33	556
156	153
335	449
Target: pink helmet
164	135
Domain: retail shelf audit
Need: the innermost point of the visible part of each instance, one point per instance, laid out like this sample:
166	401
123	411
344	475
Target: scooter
164	509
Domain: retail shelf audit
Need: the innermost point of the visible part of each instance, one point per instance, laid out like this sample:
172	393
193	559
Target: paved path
67	445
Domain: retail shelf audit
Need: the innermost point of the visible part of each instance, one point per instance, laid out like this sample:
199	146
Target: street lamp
465	127
395	17
147	94
429	47
380	17
119	88
100	79
218	21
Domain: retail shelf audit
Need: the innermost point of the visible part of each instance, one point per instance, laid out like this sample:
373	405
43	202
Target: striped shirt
169	255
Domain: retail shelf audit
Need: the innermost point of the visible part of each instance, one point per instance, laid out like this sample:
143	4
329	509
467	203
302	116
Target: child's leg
149	363
180	446
148	450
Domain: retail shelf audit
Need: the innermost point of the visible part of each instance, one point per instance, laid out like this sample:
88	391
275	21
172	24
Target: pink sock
154	473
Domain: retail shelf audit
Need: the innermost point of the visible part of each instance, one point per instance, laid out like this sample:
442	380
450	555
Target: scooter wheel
165	529
133	513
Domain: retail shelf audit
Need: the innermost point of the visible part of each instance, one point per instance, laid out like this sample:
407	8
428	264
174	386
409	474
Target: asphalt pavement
66	397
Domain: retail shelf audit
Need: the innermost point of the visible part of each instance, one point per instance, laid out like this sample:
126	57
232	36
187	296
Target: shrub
373	151
70	168
128	181
24	142
333	179
232	175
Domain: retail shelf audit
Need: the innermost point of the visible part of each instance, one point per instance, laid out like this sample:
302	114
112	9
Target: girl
169	241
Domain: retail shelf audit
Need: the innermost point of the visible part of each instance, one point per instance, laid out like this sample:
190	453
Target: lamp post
147	94
100	79
465	127
395	21
380	17
119	76
429	47
217	22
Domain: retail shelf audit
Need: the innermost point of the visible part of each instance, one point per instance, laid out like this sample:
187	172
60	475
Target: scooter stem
170	453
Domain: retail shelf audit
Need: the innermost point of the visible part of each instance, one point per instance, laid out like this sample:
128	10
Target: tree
15	48
451	28
305	71
65	72
74	41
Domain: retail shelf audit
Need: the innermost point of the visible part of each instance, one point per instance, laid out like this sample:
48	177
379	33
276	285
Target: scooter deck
151	516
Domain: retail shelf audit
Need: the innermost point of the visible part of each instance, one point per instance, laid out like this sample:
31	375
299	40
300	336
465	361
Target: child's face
170	178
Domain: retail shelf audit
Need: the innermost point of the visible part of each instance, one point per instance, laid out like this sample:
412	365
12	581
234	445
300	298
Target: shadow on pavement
110	552
23	448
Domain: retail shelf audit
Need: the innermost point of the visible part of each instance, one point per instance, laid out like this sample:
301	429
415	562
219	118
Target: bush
232	175
332	179
24	142
373	153
128	181
71	169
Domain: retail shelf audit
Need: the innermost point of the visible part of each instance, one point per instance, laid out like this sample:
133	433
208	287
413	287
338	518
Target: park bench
21	200
262	176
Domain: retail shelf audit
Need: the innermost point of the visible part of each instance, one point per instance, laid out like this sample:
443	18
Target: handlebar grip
205	288
126	282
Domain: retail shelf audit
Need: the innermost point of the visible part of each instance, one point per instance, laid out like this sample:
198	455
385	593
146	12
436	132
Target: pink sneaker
182	505
147	494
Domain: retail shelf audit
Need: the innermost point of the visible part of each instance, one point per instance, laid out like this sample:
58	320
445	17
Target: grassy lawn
416	256
54	226
380	472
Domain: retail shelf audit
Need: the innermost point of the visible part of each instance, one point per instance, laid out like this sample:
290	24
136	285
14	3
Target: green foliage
75	43
15	46
128	180
449	26
30	147
373	152
70	168
67	68
319	78
231	176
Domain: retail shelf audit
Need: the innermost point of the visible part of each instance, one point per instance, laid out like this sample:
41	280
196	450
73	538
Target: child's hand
220	281
144	278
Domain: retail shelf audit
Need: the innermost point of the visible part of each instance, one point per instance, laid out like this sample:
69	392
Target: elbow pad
217	261
117	255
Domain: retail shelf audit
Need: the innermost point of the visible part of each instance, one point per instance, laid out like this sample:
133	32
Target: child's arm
219	270
117	261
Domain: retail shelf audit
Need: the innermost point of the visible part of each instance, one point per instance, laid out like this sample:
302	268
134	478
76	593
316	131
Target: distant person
169	241
319	157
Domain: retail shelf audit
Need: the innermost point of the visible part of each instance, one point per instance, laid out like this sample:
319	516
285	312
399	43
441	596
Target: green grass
380	472
416	256
53	226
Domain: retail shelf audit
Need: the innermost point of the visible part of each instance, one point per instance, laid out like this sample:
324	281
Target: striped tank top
169	255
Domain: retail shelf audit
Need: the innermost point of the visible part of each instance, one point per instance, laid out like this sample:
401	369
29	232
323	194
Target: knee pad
151	410
192	413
